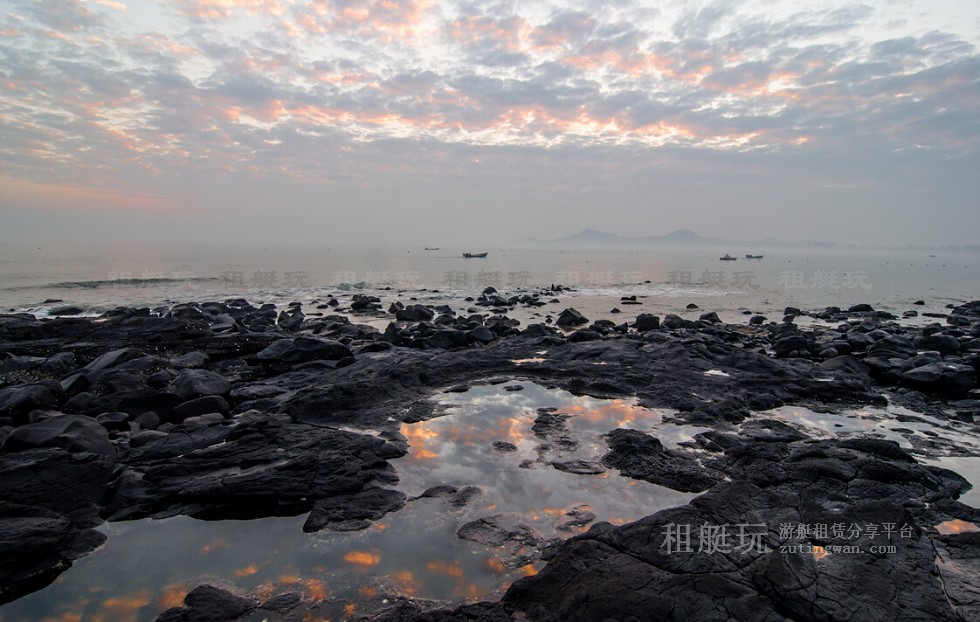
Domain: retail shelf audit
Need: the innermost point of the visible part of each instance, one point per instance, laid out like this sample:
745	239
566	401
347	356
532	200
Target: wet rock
579	467
951	378
199	406
646	321
70	432
504	446
304	349
207	603
571	317
641	456
192	383
500	530
944	344
353	512
37	545
16	402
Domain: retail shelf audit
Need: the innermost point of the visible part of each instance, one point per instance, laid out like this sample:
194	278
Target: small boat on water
474	255
753	256
728	258
431	249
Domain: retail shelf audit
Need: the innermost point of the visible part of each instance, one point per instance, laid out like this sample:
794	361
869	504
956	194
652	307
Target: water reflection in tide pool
148	566
464	448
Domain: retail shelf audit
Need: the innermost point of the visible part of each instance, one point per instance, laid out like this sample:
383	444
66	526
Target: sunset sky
427	121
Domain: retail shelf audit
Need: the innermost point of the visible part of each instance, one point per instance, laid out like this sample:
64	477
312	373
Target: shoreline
224	410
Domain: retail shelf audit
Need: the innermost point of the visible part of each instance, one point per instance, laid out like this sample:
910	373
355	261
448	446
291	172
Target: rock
56	479
640	456
646	321
584	334
944	344
67	310
861	308
504	446
69	432
711	318
481	334
952	378
304	349
16	402
192	383
353	512
893	346
114	421
37	545
571	317
500	530
113	358
199	406
207	603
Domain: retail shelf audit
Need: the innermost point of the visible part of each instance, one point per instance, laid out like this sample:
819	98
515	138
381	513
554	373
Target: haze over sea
665	279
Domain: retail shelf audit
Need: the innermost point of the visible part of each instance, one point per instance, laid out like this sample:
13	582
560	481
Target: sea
95	278
147	566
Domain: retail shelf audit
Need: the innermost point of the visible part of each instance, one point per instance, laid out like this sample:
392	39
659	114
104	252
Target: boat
431	249
728	258
474	255
753	256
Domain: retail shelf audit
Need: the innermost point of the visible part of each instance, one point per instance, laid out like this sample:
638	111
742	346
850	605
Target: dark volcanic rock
951	378
70	432
641	456
304	349
192	383
353	512
207	603
571	317
646	321
677	564
37	545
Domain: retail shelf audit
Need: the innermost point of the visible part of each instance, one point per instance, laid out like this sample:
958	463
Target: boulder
191	383
73	433
571	317
646	321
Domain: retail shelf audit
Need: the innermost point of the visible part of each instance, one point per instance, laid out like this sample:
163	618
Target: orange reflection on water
315	590
452	570
172	596
529	570
956	526
125	607
618	413
363	558
819	552
214	545
495	565
247	571
368	591
405	582
69	616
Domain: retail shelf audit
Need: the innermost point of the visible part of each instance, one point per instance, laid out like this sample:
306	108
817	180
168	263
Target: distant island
681	237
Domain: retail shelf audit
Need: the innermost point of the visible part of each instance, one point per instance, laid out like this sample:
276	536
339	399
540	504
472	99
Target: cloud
337	93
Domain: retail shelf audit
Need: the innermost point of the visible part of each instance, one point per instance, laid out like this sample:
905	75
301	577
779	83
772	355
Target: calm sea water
665	280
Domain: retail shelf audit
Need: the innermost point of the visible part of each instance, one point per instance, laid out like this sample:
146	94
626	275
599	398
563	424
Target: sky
433	122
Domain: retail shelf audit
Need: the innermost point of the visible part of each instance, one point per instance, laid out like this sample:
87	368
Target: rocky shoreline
223	410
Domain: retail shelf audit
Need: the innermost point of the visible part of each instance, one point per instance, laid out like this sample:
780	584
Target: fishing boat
431	249
474	255
728	258
753	256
